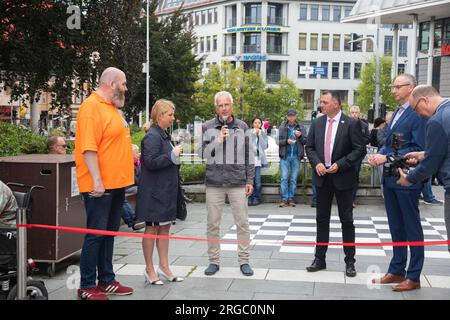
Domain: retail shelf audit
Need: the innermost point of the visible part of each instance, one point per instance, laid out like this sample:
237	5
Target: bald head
425	100
112	86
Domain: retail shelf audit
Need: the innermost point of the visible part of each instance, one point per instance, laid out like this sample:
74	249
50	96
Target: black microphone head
224	119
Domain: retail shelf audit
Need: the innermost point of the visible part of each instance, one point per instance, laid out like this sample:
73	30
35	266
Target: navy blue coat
158	183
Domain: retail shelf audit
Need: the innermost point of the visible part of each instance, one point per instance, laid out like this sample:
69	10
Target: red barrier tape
293	243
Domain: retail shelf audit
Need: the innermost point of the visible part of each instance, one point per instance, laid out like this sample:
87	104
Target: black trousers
344	199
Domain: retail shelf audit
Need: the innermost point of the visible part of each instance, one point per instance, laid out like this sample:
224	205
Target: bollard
21	254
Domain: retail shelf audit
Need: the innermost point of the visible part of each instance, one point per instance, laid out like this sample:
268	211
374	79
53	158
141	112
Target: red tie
328	142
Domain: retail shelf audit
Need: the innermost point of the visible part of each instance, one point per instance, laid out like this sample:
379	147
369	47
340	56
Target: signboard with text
445	49
254	29
251	57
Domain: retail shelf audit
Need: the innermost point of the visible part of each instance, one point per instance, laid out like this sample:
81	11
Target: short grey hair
424	91
356	108
411	79
222	94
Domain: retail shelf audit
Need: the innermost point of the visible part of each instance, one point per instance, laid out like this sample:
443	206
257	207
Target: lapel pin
342	121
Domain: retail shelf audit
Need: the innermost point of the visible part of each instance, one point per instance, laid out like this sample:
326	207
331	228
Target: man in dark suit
334	145
402	203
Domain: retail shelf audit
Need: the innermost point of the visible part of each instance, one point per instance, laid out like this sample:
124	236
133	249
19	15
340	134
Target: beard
118	98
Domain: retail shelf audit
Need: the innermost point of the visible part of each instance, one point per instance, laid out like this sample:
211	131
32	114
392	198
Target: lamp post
147	80
377	68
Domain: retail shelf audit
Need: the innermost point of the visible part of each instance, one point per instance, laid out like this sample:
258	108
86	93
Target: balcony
232	22
251	48
275	49
273	77
252	20
277	21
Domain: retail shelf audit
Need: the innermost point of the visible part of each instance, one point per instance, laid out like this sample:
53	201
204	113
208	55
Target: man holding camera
402	203
427	102
292	139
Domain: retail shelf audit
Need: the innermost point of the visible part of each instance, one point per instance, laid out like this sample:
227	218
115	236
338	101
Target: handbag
181	204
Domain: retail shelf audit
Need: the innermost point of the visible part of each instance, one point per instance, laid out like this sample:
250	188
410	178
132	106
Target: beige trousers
215	200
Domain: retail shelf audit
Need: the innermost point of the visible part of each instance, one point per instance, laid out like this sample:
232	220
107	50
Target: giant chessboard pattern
268	231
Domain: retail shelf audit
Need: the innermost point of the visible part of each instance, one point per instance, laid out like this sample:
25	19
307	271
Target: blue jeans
128	214
289	171
102	214
256	195
427	192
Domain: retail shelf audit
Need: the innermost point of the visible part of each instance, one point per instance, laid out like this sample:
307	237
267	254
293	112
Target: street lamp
377	68
147	93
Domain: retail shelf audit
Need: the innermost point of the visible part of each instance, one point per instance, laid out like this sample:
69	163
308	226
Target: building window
210	16
313	64
302	41
369	44
202	44
196	46
325	13
203	16
252	66
347	46
197	18
336	42
325	66
401	68
313	41
357	74
325	42
303	11
214	46
253	13
308	99
252	43
347	67
388	45
275	14
274	43
273	73
403	46
347	10
208	44
314	12
301	64
337	13
215	15
231	16
335	70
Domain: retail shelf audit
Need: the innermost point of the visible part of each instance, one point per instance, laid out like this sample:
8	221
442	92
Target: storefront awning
397	11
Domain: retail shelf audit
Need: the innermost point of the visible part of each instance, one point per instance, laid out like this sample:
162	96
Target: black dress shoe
316	266
350	270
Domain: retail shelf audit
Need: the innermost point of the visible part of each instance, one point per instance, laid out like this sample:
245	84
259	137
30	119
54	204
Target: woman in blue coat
156	202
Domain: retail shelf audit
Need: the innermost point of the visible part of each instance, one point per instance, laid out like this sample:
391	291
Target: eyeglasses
63	145
397	87
226	105
417	103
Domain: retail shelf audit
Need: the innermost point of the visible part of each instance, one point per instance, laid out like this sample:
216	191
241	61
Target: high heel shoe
149	281
171	279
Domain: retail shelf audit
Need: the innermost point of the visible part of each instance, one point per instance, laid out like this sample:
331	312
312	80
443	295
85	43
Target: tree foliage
366	89
252	97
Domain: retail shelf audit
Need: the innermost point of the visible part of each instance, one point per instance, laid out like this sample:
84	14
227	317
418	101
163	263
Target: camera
395	161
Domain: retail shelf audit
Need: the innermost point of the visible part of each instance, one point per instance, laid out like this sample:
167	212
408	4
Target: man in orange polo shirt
104	165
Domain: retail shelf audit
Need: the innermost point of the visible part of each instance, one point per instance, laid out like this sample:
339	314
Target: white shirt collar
336	118
405	106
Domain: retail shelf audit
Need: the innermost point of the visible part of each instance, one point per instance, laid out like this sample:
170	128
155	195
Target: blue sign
323	71
252	57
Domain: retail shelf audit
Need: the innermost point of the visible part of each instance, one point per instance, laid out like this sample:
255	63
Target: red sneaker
91	294
115	288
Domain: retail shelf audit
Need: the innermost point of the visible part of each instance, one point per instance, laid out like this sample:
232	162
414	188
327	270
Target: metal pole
21	254
414	45
377	74
147	71
394	52
430	53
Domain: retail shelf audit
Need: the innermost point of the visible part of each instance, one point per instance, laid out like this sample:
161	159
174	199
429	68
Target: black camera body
395	161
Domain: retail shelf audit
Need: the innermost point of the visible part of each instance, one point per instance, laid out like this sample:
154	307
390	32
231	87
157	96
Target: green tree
366	89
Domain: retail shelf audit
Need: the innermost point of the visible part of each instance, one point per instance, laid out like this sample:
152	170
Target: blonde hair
147	125
161	106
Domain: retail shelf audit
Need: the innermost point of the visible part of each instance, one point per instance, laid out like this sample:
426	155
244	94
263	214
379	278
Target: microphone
225	118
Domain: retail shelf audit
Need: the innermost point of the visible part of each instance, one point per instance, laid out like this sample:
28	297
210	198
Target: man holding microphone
229	171
427	102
